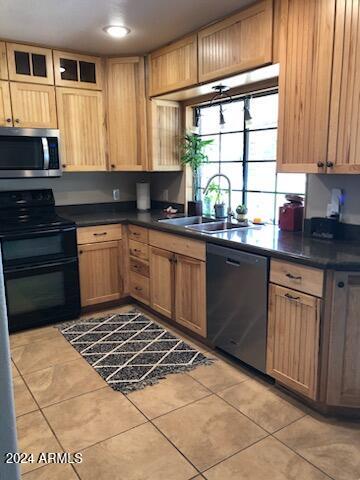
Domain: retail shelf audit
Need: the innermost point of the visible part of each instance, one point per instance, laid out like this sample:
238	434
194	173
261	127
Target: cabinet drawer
139	266
139	234
299	277
178	244
139	250
139	287
100	233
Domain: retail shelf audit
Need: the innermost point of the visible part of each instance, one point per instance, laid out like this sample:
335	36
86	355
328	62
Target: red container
291	217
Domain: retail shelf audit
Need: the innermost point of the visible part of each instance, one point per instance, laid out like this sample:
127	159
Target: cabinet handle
330	164
293	277
17	120
136	234
320	164
291	297
341	284
138	289
100	234
8	120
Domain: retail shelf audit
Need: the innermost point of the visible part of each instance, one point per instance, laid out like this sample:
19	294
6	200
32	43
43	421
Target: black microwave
29	152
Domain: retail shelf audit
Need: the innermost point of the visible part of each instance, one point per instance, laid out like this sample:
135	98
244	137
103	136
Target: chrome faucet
230	213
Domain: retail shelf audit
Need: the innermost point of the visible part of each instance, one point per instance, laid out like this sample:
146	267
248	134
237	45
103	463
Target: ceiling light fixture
117	31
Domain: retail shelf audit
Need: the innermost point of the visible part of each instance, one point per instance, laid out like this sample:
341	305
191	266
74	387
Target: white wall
77	188
319	192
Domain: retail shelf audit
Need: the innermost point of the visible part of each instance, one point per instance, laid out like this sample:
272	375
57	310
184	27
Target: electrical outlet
116	194
165	195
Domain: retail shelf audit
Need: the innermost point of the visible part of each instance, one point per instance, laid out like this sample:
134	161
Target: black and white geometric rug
130	351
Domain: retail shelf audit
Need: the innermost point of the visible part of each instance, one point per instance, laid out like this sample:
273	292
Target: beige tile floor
216	422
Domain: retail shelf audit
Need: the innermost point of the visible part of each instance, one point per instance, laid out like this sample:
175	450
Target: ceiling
77	24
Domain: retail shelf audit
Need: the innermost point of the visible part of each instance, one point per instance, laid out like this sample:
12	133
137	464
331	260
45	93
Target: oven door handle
39	266
55	231
45	145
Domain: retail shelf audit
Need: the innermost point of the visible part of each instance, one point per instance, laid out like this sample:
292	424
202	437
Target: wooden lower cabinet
190	308
162	281
343	376
100	272
177	288
293	339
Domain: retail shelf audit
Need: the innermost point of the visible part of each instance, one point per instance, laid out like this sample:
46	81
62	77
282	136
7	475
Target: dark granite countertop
266	240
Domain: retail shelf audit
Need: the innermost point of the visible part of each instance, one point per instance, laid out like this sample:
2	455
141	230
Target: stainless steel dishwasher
236	287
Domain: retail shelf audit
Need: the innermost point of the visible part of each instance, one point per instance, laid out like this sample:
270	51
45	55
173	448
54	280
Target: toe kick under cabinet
101	266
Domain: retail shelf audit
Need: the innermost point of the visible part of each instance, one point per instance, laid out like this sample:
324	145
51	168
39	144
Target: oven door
37	247
42	294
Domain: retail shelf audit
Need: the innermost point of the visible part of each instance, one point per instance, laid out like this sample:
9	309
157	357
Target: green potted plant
219	204
241	211
211	197
193	155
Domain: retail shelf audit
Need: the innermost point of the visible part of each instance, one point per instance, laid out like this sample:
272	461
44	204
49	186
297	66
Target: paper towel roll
143	196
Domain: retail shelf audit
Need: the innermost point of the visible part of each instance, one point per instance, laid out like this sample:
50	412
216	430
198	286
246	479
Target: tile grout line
166	438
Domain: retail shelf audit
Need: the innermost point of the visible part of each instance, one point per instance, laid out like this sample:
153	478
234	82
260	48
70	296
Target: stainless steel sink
215	227
186	221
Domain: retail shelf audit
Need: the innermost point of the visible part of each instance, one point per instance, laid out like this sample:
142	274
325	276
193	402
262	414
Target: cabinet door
126	110
77	71
165	135
344	133
293	340
190	300
162	281
305	51
241	42
30	64
343	382
33	105
5	105
81	122
3	62
174	66
100	272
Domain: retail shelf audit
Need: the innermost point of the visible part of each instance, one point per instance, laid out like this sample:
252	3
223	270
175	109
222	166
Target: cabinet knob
329	164
341	284
8	120
81	252
112	166
63	165
321	164
17	120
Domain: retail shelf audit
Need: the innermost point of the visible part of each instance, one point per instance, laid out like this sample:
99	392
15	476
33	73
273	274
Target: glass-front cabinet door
79	71
30	64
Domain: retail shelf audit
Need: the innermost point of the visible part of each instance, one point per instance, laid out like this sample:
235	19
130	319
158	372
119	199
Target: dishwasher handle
233	263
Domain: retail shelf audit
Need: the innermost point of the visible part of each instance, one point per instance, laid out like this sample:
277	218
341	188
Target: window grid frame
245	131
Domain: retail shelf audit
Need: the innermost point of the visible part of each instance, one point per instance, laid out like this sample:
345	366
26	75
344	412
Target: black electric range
40	262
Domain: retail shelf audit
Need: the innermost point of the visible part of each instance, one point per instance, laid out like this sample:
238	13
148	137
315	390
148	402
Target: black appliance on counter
39	253
29	152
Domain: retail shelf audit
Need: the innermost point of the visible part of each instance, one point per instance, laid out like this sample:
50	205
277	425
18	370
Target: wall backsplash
319	191
78	188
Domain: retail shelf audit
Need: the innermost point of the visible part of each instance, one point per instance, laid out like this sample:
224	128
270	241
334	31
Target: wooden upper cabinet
164	135
30	64
3	62
293	340
162	281
305	51
343	382
344	132
126	113
33	106
81	121
78	71
190	294
5	105
239	43
174	66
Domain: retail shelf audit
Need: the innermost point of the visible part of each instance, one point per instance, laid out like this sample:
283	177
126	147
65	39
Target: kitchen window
244	149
